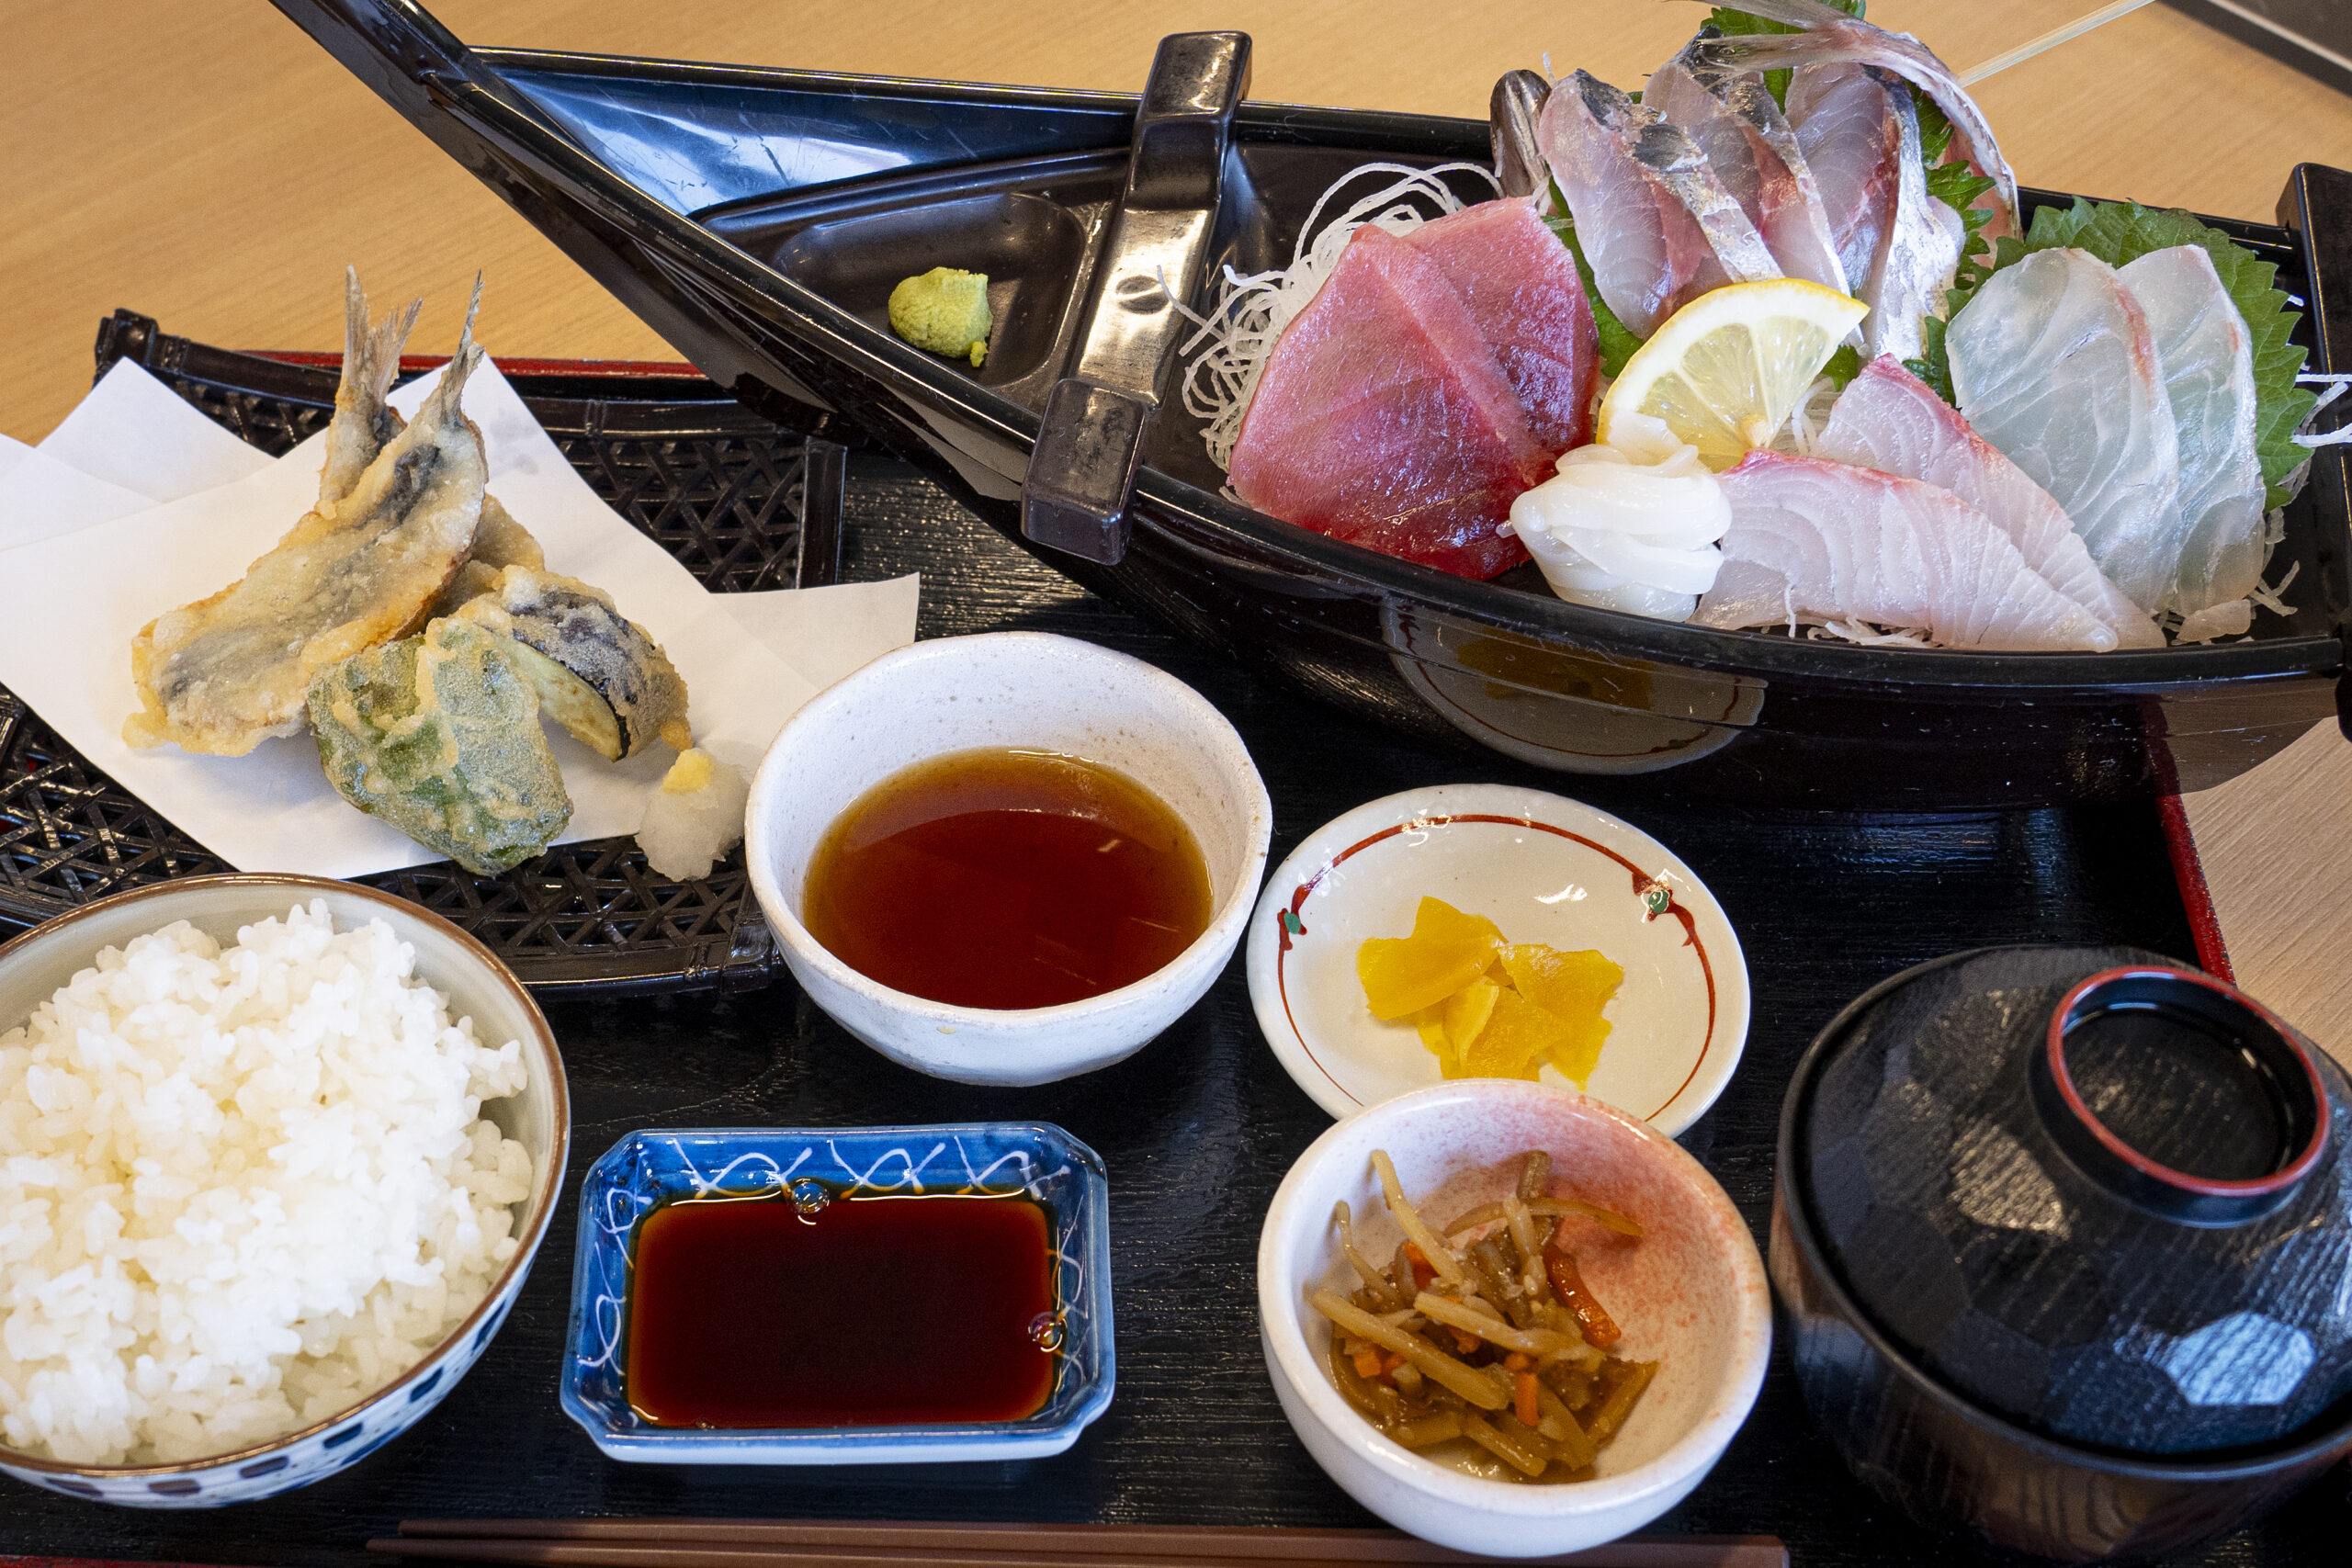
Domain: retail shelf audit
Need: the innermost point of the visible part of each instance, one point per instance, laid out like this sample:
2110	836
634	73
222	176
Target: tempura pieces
225	674
440	736
364	423
1495	1344
596	672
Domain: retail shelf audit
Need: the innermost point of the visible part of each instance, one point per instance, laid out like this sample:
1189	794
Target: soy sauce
1007	879
875	1311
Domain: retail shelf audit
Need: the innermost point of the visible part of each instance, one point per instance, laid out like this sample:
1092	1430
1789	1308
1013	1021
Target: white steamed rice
240	1190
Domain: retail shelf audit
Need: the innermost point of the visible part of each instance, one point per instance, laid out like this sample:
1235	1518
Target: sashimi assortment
1773	344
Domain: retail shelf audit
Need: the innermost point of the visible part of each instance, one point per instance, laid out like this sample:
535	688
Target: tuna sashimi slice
1520	285
2053	363
1889	419
1657	225
1854	544
2207	359
1383	417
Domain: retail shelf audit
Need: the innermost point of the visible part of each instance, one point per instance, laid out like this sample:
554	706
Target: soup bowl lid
2092	1190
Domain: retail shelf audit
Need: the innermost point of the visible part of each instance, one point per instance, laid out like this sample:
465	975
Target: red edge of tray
2212	953
617	368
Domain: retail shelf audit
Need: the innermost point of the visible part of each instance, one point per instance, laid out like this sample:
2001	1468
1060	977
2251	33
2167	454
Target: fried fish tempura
224	673
364	424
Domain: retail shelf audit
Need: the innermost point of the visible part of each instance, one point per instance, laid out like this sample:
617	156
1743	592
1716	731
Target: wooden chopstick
764	1544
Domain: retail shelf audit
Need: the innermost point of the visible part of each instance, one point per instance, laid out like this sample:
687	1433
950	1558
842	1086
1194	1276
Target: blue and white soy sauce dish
799	1173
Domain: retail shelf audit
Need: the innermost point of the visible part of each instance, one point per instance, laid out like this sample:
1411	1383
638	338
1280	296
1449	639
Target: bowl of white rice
275	1153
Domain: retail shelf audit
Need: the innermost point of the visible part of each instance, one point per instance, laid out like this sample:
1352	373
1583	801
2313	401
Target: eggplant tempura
227	672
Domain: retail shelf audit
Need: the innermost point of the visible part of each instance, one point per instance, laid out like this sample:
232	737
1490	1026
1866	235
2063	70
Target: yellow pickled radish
1447	951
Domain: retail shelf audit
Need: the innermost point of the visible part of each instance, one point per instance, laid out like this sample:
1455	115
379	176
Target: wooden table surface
208	164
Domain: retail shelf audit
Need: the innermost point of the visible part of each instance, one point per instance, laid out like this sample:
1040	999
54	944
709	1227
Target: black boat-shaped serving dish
758	218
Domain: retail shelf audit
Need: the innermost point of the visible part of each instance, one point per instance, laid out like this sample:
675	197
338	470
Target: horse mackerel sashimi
2052	362
1755	152
224	673
1657	227
2207	353
1384	419
1850	544
1832	37
1889	419
1899	246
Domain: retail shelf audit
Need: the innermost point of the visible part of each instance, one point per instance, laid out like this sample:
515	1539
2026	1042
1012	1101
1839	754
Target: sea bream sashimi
1889	419
1657	227
1831	37
2053	363
1899	246
1523	290
1850	544
1732	118
2207	353
1384	419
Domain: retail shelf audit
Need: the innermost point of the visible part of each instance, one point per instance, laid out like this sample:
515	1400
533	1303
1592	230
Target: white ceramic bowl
1025	688
479	987
1691	1294
1545	869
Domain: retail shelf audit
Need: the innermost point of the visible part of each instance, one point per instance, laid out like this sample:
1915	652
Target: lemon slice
1725	371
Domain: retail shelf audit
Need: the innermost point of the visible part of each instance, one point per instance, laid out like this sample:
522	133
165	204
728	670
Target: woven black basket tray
741	503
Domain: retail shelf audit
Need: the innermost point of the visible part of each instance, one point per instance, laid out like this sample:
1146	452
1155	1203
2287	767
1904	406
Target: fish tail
371	354
443	404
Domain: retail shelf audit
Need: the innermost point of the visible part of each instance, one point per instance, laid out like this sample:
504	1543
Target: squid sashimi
2053	363
1898	246
1657	227
1755	152
2208	381
1384	419
1889	419
1834	37
1522	288
1851	544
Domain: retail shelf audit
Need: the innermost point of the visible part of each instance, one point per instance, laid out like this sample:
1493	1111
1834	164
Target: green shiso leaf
1733	23
1617	340
2120	232
1932	365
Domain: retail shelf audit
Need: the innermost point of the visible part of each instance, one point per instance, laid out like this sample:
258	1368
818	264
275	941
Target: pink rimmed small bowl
1690	1296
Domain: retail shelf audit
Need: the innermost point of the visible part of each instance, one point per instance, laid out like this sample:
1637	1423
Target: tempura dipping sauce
882	1310
1004	878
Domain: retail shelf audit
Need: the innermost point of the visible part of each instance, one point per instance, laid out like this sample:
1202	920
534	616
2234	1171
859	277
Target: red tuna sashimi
1522	289
1381	418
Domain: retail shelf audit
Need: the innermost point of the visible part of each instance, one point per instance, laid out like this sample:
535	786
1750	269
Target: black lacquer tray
1196	1130
742	503
757	218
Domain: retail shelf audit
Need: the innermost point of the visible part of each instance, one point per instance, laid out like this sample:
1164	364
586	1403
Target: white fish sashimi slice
1889	419
1754	151
1832	36
2208	358
1657	225
1854	544
1897	244
2053	362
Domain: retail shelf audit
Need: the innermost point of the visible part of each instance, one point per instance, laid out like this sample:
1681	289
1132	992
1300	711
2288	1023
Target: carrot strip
1599	1327
1523	1401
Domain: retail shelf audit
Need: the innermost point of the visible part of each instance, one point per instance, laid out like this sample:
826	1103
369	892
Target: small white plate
1543	868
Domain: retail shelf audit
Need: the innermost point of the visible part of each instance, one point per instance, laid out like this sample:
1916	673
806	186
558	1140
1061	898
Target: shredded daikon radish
1250	313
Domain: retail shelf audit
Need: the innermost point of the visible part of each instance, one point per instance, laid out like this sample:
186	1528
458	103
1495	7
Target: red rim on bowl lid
2182	1004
